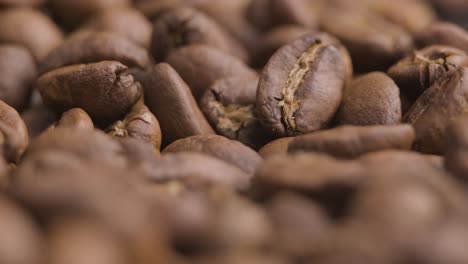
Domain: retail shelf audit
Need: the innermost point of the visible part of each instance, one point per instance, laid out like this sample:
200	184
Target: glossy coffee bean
300	88
186	26
443	102
371	99
220	147
91	47
170	99
105	90
350	142
416	73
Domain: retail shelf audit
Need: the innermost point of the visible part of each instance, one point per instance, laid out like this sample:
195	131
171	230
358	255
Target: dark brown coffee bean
105	90
186	26
190	166
372	99
13	133
31	29
73	13
201	65
350	142
418	72
91	47
266	14
300	88
170	99
444	33
299	222
373	42
443	102
84	241
18	72
456	158
140	124
219	147
126	22
229	105
75	118
22	241
276	147
276	38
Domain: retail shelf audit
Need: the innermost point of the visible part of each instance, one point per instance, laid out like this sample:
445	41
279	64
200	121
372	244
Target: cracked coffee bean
140	124
105	90
443	102
300	88
229	105
416	73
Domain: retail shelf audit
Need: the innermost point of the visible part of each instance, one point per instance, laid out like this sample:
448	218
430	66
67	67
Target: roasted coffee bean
418	72
75	118
373	42
126	22
444	33
13	133
84	241
22	241
300	88
276	38
219	147
140	124
17	75
170	99
265	14
231	16
275	147
87	145
92	47
443	102
229	105
105	90
350	142
31	29
309	173
190	166
456	159
201	65
73	13
371	99
300	223
186	26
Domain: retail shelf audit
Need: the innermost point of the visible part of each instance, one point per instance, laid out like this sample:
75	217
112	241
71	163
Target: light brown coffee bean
275	147
13	132
75	118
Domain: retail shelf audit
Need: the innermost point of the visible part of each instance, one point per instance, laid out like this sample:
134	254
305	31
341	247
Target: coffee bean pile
233	131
